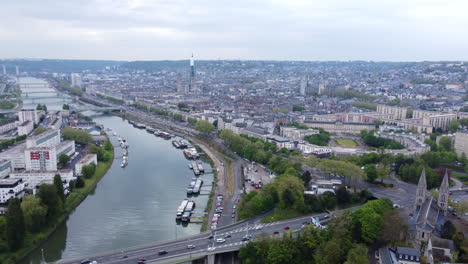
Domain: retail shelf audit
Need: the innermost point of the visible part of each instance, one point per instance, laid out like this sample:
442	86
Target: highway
204	245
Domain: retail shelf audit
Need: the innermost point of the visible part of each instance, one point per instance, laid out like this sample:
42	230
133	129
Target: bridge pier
210	259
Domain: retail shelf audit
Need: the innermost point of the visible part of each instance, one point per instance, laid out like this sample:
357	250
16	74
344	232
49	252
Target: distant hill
48	65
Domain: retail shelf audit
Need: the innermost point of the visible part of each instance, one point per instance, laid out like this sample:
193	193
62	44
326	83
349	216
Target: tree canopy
80	136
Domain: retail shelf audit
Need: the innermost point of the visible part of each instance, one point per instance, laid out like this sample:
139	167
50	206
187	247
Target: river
130	206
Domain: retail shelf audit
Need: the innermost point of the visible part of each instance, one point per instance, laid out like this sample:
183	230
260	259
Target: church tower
444	194
421	190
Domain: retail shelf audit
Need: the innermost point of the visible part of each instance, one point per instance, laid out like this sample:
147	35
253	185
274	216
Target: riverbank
212	158
33	241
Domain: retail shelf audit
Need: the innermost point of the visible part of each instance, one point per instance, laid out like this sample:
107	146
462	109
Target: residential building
439	121
295	133
86	160
34	178
397	112
41	159
28	115
461	143
49	138
66	147
5	168
25	128
15	154
341	127
8	126
11	188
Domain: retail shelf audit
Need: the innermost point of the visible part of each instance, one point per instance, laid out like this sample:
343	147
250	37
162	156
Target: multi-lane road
229	238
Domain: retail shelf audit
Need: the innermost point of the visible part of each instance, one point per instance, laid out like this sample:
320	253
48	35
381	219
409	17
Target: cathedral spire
443	194
421	190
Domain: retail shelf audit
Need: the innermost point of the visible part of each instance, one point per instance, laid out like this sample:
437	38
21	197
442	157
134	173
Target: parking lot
256	176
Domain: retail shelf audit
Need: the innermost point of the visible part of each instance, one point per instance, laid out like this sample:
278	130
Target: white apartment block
397	112
28	115
296	134
41	159
5	168
86	160
10	188
439	121
65	147
8	126
35	178
461	143
15	155
50	138
25	128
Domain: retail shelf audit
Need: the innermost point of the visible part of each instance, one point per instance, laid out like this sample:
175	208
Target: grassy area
346	142
74	199
210	199
462	178
281	214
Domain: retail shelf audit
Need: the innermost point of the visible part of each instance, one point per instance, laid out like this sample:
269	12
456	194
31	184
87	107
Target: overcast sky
235	29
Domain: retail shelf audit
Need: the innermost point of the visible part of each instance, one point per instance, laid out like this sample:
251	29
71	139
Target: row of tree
31	215
345	241
377	142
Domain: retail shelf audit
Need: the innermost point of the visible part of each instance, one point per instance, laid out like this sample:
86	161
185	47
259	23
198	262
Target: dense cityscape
237	132
286	140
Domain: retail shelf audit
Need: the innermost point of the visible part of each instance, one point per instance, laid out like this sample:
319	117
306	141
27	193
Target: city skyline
297	30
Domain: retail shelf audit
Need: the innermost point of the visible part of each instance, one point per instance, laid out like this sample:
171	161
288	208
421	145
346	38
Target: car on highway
141	259
220	240
85	261
275	233
286	228
162	252
227	236
211	248
210	236
124	256
191	246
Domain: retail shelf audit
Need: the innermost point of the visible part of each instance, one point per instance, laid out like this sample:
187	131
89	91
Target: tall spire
443	194
421	190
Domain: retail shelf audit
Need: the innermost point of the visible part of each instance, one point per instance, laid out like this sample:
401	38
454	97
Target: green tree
63	159
453	126
297	108
394	227
49	197
80	136
15	229
342	195
383	172
59	186
79	183
100	153
34	213
204	126
445	143
448	230
357	255
107	145
88	170
249	254
463	121
371	172
65	107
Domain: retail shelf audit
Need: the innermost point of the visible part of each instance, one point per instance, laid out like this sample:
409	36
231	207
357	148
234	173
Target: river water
130	206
